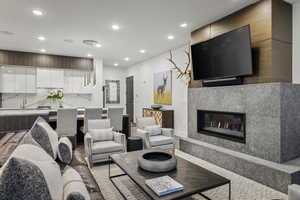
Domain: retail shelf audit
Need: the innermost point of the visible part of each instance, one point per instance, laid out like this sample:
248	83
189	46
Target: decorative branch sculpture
187	70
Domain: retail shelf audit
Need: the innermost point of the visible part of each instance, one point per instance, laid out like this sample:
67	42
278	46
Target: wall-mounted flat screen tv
225	56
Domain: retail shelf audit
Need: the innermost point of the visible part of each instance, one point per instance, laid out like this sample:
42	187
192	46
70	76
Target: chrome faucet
24	102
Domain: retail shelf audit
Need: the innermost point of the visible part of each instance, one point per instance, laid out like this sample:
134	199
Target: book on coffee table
164	185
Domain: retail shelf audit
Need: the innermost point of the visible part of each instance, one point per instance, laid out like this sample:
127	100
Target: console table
163	117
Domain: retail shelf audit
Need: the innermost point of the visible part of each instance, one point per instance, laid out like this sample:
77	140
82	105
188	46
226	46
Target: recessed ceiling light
115	27
116	64
41	38
89	55
142	51
37	12
183	25
171	37
127	59
43	50
98	45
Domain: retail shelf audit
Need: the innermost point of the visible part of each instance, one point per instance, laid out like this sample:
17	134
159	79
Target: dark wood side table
163	117
134	143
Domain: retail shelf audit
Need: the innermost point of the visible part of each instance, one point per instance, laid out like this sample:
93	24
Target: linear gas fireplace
227	125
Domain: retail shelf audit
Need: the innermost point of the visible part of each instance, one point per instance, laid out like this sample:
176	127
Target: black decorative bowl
156	107
157	161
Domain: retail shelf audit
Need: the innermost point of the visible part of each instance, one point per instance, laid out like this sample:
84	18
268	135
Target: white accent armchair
293	192
101	141
164	138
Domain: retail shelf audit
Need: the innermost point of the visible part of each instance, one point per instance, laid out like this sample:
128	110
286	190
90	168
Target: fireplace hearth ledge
275	175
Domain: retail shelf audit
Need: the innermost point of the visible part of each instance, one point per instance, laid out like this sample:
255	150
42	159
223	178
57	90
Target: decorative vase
60	103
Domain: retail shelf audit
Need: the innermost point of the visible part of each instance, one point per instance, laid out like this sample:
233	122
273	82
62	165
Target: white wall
143	87
116	73
296	42
97	98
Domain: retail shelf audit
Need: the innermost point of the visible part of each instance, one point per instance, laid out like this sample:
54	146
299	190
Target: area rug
242	188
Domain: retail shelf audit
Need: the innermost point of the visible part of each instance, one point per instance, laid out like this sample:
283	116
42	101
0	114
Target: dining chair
89	114
66	124
116	117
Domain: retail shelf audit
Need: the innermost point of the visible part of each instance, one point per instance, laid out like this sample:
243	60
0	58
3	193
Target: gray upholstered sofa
13	144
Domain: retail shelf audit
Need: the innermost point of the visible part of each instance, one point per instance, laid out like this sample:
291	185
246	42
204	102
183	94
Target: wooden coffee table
195	179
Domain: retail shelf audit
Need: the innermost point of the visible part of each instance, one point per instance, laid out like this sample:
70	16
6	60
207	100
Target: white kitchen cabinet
49	78
1	78
17	79
74	82
31	80
8	79
68	82
42	78
57	78
20	76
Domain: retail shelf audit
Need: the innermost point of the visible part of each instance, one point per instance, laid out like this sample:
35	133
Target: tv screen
227	55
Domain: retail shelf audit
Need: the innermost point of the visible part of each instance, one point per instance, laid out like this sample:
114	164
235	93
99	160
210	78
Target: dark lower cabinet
18	122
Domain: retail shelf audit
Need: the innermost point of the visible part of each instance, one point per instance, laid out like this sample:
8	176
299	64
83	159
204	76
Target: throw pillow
28	139
30	173
65	150
43	134
74	187
153	130
102	134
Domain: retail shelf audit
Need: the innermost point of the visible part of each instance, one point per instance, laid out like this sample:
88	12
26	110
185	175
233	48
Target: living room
101	103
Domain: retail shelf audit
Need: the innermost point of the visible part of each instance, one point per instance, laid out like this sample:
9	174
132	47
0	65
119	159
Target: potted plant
56	96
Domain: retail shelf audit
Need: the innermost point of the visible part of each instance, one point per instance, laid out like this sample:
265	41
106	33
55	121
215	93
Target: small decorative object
56	96
156	107
163	88
112	91
187	69
157	161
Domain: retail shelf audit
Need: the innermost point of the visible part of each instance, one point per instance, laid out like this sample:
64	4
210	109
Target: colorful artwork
163	88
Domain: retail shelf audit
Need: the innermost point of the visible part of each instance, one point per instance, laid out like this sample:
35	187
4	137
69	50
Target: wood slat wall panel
282	60
269	20
262	54
43	60
201	34
257	15
282	21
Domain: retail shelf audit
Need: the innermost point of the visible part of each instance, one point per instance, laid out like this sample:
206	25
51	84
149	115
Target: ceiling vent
90	42
68	40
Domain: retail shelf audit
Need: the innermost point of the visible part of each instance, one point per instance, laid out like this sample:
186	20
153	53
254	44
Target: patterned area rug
242	188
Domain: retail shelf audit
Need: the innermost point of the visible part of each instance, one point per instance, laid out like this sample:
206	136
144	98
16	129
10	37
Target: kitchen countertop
20	112
24	112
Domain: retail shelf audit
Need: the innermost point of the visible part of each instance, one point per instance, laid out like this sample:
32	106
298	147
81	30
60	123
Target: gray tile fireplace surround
272	117
272	131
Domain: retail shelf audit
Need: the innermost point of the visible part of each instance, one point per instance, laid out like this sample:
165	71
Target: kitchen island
16	120
23	119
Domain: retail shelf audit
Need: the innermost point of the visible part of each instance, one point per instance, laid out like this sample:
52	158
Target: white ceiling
145	24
